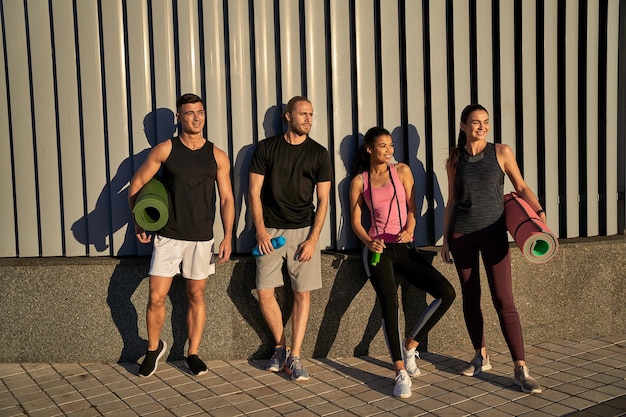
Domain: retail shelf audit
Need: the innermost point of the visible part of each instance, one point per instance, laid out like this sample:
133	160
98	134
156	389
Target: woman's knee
448	295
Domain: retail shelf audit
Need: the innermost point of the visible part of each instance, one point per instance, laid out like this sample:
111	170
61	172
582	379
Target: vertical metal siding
241	93
8	242
342	124
317	85
88	87
591	112
439	133
615	139
549	96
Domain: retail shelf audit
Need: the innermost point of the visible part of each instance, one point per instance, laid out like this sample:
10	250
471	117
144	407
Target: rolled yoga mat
151	209
537	243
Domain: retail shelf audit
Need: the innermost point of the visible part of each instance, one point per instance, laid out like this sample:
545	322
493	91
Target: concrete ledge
93	309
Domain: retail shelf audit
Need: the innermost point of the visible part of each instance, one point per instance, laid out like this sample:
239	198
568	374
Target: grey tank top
479	194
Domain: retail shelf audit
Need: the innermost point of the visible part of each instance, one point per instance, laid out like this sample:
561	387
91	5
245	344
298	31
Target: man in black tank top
191	166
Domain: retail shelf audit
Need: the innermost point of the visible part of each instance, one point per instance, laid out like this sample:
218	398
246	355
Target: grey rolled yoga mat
151	207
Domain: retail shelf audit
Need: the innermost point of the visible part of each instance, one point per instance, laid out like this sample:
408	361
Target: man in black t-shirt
285	172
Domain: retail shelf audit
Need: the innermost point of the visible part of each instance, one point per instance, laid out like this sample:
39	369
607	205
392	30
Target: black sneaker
149	365
196	366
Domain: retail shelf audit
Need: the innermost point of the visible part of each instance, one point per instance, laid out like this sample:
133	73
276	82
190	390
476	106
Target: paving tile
188	409
228	411
301	413
43	403
579	403
264	413
151	408
366	410
46	412
445	412
238	398
314	400
514	409
290	408
112	407
471	407
212	403
587	383
557	409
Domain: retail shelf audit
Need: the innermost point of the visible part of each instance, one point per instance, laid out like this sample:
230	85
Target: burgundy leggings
496	257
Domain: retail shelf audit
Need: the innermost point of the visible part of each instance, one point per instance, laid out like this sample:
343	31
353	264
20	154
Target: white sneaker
409	361
403	385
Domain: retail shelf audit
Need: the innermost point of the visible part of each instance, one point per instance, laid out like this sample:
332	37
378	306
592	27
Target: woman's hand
404	237
445	253
376	246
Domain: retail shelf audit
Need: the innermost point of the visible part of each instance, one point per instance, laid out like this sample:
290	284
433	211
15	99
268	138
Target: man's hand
142	235
225	250
306	250
264	242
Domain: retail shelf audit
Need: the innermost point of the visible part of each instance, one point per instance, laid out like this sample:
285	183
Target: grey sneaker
277	362
409	361
403	385
477	365
525	381
295	368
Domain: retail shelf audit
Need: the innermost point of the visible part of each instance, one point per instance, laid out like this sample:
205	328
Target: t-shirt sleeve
325	170
258	164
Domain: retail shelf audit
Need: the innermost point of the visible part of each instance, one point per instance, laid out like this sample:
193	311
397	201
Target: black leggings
401	261
496	257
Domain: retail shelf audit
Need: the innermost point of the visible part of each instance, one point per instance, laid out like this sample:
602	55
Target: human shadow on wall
429	216
242	285
111	213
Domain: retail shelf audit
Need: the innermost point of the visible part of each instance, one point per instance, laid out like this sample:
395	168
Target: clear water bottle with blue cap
277	242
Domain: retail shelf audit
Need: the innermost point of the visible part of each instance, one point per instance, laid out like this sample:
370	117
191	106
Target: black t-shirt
291	173
189	176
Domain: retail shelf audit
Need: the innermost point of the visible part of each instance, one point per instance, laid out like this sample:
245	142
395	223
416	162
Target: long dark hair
462	140
362	160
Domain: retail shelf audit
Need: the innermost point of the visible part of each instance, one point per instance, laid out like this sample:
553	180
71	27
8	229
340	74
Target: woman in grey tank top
473	224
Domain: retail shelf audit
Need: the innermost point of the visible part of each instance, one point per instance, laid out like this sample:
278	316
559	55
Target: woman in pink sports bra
385	190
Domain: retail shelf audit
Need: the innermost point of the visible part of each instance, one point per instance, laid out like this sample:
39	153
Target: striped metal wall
88	86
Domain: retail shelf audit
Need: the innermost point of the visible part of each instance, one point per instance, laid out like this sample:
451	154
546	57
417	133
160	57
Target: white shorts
168	255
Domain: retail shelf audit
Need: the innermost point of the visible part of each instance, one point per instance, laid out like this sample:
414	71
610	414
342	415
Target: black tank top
479	194
189	176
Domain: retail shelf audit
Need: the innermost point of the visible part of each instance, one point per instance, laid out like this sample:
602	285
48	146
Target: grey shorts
305	276
168	254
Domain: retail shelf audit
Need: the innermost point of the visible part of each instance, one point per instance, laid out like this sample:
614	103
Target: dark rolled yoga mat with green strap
151	209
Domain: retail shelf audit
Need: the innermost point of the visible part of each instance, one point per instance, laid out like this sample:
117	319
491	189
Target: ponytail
361	161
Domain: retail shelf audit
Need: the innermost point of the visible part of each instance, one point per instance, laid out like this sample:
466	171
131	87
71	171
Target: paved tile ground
580	378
